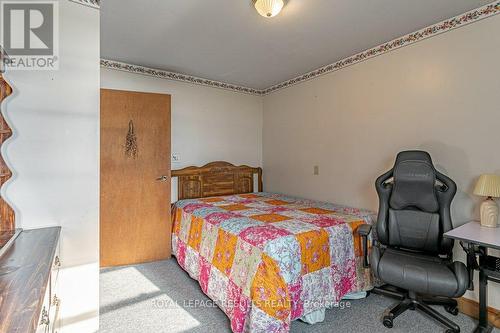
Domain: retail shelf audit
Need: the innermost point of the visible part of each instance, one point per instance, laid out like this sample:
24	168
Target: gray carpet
160	296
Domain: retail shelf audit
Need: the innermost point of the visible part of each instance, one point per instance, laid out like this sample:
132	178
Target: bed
265	259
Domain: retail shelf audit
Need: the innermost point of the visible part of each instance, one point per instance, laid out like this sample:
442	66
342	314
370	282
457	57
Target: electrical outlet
176	157
316	170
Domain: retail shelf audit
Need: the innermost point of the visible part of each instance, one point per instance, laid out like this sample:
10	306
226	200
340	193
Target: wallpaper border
406	40
89	3
111	64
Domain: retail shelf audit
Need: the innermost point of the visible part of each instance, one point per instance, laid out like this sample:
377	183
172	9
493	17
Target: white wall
208	124
440	95
55	157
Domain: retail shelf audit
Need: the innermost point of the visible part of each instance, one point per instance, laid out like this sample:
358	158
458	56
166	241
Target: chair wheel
451	309
388	322
451	330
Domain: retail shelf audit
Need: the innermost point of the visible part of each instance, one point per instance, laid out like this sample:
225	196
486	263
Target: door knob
162	178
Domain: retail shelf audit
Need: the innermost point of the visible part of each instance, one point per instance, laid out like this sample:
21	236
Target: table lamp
488	186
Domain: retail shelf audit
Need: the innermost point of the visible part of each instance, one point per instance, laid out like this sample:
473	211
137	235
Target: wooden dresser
28	283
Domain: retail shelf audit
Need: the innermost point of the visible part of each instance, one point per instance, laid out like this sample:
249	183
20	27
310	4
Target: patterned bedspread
267	259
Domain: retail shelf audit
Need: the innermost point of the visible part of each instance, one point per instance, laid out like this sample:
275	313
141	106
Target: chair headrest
414	182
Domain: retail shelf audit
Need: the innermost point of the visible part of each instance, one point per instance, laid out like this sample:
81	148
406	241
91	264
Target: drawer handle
56	300
44	320
57	262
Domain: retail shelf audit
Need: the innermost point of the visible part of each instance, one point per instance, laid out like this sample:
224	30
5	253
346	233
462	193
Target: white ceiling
226	40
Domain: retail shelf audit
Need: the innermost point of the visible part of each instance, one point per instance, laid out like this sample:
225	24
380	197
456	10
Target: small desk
480	238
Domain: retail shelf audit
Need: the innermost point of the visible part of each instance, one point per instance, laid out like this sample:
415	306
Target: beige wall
440	95
208	124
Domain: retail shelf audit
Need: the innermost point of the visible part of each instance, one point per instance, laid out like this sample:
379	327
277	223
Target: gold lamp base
489	213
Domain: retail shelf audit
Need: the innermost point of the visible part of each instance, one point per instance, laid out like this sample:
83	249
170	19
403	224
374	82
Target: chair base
410	301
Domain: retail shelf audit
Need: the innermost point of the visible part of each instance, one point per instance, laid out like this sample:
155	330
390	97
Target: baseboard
471	309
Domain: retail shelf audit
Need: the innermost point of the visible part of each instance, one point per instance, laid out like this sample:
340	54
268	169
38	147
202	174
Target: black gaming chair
410	254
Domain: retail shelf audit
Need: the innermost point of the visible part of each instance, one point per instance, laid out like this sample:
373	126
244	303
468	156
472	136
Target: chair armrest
472	264
363	231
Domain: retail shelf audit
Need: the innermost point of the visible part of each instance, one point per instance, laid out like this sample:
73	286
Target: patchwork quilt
267	259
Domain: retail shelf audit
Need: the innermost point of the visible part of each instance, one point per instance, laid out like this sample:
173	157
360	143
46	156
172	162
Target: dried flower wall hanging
131	149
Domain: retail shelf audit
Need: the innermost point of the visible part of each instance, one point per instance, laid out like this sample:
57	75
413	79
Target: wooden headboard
216	178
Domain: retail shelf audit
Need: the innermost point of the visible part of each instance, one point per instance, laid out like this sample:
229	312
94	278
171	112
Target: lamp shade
488	186
269	8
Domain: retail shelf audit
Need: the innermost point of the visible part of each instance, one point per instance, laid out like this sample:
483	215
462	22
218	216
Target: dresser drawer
55	301
54	274
54	311
44	321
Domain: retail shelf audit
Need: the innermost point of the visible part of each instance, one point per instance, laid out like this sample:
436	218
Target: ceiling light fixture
269	8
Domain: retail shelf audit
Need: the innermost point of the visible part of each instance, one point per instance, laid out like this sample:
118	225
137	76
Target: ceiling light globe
269	8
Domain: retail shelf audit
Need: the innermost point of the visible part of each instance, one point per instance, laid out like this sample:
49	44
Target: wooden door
134	200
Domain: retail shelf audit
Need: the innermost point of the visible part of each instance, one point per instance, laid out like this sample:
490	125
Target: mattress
267	259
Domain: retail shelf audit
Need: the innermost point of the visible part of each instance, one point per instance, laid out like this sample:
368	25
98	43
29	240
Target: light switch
316	170
176	157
